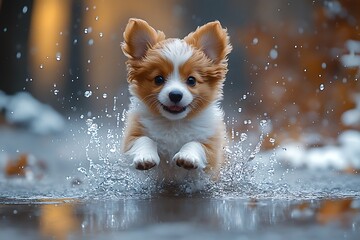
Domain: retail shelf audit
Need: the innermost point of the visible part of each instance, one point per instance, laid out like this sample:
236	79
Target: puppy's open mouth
174	109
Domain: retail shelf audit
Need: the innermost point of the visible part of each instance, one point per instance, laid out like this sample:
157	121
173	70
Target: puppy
174	119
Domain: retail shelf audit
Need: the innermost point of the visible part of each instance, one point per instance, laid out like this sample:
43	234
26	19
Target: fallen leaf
25	166
17	167
351	170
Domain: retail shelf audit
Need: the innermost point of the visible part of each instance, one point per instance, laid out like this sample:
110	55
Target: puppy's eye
159	80
191	81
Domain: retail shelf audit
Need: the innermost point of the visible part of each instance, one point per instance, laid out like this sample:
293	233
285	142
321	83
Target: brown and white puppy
174	119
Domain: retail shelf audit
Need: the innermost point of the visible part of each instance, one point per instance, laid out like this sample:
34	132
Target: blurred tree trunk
15	19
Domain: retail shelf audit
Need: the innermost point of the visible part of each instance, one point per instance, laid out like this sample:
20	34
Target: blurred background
295	63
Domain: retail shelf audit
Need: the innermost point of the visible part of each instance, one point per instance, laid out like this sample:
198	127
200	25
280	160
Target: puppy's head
176	78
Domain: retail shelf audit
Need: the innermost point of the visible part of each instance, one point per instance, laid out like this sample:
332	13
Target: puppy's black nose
175	96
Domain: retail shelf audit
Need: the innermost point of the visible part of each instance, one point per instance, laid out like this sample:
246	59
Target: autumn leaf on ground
26	166
17	167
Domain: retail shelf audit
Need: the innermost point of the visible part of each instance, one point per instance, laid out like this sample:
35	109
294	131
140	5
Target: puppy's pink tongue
175	108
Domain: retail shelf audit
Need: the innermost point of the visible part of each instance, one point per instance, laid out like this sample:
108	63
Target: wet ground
54	200
180	218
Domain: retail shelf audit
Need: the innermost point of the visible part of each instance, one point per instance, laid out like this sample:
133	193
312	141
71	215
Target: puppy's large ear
139	37
212	39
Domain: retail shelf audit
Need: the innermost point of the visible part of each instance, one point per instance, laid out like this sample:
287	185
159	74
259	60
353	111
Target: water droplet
255	41
239	109
101	34
25	9
243	137
88	30
5	29
82	170
81	116
244	96
89	122
88	93
273	54
123	115
41	66
18	55
75	41
323	65
247	122
322	87
263	123
104	95
58	56
97	18
84	224
272	140
91	42
56	91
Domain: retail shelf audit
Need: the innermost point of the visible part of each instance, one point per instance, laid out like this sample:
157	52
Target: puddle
164	217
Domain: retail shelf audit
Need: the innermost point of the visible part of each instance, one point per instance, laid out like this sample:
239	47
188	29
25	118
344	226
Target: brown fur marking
133	131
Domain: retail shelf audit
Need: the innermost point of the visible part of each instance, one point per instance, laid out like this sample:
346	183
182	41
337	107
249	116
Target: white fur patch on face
177	52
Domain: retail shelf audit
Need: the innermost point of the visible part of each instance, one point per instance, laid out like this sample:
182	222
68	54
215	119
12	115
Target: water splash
249	173
110	174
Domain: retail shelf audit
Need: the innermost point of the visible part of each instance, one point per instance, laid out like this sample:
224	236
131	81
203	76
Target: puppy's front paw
188	165
187	160
191	156
146	162
145	165
144	153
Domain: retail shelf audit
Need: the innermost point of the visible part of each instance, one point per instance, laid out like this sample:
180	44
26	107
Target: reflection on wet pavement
163	217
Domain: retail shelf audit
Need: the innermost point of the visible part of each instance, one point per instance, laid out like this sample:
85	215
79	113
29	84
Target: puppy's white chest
170	136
